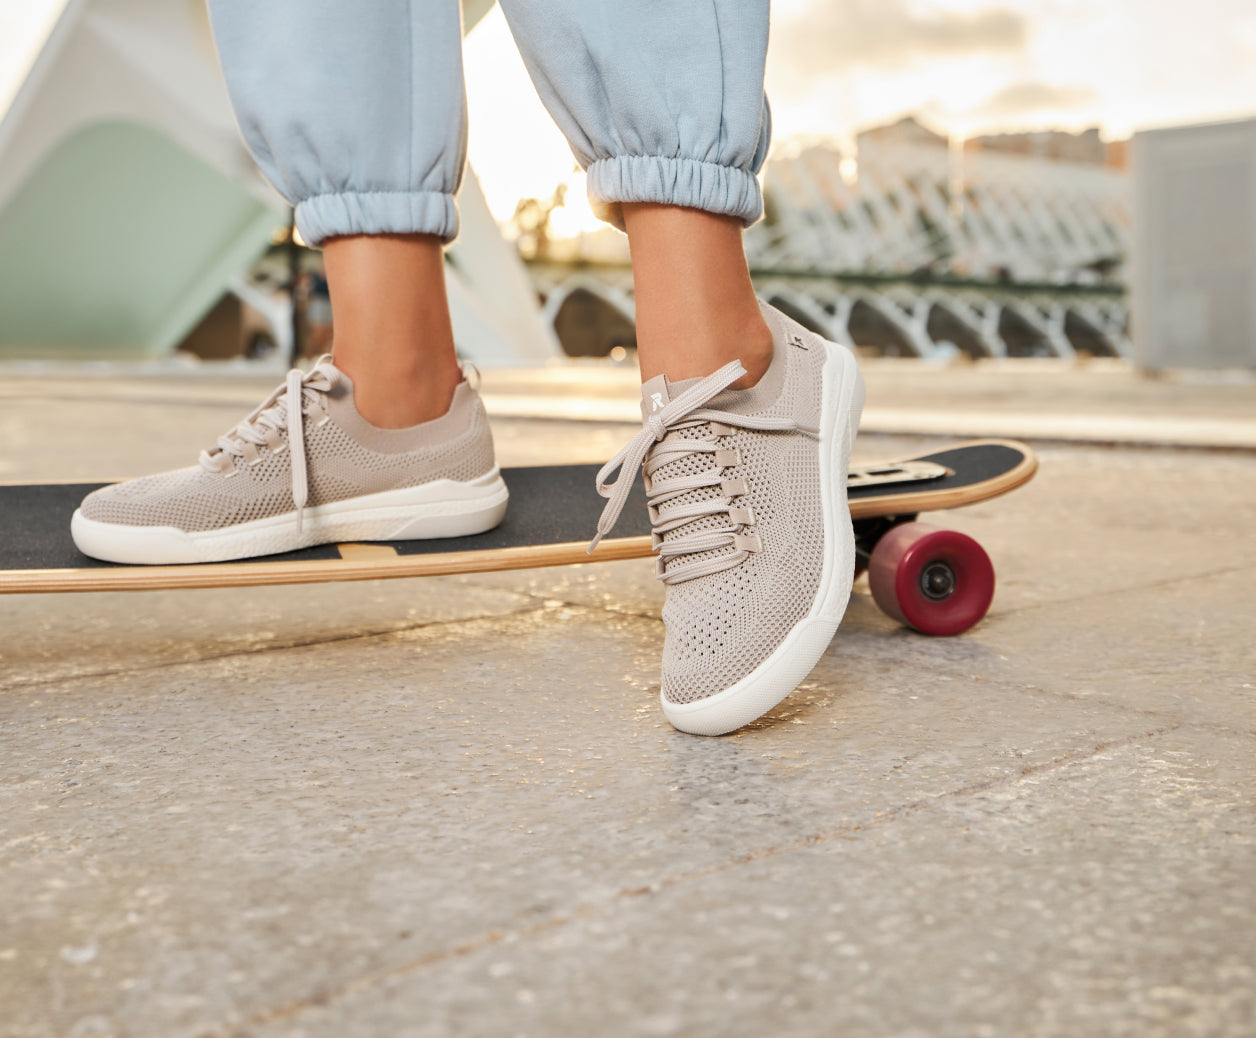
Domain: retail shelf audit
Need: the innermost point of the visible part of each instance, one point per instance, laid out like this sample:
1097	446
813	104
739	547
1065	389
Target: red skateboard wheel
939	582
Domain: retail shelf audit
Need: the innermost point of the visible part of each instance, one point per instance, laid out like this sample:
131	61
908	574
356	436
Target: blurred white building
906	203
1194	271
129	206
916	247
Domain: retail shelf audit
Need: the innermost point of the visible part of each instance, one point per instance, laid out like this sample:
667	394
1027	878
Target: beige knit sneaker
748	504
303	469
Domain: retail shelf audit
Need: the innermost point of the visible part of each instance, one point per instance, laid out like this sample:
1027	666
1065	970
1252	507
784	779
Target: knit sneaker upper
249	474
734	484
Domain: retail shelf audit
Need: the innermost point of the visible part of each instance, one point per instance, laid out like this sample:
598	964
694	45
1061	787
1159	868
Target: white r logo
658	402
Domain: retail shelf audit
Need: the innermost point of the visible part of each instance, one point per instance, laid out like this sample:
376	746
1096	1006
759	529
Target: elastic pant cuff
688	182
377	212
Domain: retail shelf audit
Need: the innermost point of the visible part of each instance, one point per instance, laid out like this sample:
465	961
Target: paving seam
492	937
564	604
1156	585
18	686
1046	692
1039	691
1218	726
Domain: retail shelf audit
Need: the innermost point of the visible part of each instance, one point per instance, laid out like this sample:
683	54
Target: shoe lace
651	450
283	409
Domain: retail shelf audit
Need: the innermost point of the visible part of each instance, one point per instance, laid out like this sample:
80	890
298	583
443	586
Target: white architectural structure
995	254
1194	271
128	204
925	251
916	208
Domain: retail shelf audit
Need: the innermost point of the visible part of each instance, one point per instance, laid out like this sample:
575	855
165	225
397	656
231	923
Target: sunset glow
965	66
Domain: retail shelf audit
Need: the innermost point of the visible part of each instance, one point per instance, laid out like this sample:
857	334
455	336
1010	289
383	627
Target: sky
835	66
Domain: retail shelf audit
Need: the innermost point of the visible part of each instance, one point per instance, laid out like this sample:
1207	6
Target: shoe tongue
660	391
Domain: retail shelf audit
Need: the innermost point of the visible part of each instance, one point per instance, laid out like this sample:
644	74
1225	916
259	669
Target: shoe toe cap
161	500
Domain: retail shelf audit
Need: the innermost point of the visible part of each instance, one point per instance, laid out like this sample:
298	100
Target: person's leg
664	106
392	332
696	307
359	120
749	418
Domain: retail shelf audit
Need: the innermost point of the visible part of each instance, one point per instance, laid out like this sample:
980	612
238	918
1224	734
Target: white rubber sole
779	674
442	508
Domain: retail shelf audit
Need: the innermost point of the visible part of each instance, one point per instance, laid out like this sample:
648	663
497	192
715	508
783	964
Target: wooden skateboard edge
255	573
261	574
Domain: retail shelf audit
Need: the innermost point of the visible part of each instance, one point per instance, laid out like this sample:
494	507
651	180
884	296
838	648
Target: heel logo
657	399
796	340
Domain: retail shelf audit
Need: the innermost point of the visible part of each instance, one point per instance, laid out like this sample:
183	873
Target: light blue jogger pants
356	112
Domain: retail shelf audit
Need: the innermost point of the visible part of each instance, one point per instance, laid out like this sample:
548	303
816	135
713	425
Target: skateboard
937	581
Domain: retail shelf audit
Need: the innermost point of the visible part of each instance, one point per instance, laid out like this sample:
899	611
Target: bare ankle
393	335
401	399
698	351
755	354
696	306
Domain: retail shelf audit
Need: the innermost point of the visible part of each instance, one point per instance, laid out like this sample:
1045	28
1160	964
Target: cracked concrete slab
427	783
995	910
453	807
48	638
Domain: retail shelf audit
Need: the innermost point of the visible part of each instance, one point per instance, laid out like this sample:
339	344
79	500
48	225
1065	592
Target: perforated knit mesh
722	626
339	467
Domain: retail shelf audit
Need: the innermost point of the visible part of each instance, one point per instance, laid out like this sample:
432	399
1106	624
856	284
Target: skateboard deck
552	516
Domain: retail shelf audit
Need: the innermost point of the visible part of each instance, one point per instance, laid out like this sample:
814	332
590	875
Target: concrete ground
452	806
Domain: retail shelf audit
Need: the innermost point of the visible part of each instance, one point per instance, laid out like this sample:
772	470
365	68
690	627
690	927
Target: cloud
830	35
1028	98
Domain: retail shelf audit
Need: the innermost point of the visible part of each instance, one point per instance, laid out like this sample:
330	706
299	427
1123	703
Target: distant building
916	249
1118	154
906	131
916	208
1054	145
1194	269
